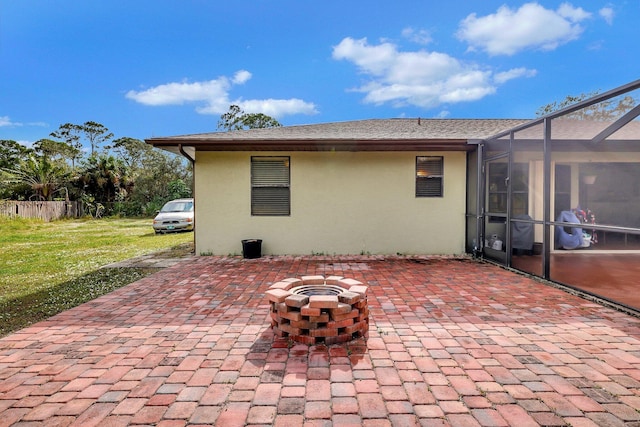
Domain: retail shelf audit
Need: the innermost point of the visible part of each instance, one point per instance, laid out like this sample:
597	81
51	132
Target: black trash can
251	248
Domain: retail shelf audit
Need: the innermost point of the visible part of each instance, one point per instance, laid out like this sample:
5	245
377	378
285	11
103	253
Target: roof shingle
374	129
359	135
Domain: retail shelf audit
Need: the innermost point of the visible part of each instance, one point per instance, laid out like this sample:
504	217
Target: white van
176	215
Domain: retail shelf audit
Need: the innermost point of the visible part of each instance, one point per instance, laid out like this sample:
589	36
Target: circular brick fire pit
314	310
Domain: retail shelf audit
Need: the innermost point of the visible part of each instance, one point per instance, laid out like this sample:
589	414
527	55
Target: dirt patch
180	251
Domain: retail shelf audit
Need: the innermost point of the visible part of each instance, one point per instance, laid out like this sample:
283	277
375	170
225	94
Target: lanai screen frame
477	209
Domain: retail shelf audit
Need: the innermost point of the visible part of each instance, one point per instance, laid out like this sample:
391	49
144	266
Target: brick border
314	319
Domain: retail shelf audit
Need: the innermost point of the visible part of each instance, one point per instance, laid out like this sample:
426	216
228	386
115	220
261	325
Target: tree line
86	162
124	175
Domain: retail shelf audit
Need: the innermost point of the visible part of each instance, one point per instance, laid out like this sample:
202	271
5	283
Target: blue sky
149	68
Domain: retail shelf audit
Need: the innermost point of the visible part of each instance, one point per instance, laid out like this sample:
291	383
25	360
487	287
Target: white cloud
40	124
277	107
421	78
573	14
607	13
417	36
179	93
241	77
5	121
213	97
509	31
375	60
596	45
514	73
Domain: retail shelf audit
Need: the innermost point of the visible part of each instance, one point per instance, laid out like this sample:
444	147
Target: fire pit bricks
314	310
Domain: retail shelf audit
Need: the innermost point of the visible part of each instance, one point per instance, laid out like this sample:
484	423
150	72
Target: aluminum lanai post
546	199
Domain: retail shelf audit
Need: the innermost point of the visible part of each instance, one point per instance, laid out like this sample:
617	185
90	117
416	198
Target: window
429	176
270	195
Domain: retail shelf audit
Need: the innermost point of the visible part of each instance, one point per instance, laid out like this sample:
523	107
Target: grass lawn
48	267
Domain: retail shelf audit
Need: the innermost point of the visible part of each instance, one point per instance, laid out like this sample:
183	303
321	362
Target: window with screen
429	176
270	193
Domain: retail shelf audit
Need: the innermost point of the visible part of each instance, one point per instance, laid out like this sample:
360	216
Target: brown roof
360	135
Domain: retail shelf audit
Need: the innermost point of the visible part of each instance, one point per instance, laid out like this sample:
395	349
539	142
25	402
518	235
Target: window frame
263	208
423	182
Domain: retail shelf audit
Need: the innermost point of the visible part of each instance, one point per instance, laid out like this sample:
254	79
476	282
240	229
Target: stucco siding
341	203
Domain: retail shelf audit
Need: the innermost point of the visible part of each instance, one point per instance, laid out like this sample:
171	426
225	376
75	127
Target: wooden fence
46	211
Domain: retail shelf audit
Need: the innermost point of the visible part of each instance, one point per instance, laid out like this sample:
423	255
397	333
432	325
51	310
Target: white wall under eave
341	203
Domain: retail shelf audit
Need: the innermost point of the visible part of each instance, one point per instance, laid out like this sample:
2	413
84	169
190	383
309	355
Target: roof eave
315	145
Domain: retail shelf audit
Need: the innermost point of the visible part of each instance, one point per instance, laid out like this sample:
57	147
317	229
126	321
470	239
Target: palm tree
105	178
40	174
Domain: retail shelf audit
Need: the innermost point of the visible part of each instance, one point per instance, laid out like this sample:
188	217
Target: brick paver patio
451	342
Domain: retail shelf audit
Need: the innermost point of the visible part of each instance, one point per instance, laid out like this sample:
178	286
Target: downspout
193	186
186	155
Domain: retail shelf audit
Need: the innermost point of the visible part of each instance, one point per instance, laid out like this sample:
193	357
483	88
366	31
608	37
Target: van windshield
178	207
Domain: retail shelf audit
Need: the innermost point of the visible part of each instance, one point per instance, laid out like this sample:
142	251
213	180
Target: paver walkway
451	342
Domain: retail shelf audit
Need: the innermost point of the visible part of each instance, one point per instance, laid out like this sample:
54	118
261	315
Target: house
501	189
360	187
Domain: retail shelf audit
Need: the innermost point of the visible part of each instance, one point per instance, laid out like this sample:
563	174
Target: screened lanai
559	197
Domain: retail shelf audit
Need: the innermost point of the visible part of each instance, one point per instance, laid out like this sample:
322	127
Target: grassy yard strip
46	268
20	312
